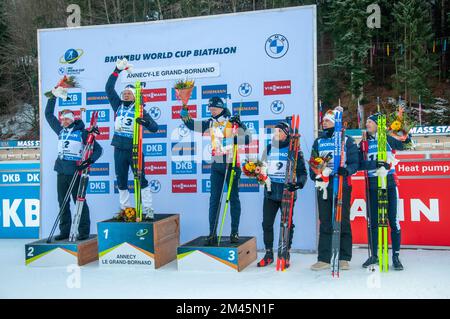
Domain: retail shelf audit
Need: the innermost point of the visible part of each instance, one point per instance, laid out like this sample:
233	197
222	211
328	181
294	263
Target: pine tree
414	64
346	22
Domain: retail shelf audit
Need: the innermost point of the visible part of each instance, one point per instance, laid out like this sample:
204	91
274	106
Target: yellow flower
396	125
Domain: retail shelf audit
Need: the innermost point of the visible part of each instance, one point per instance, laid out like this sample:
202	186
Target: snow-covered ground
426	275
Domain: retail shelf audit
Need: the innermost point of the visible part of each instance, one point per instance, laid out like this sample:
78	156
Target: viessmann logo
184	186
155	95
277	87
156	168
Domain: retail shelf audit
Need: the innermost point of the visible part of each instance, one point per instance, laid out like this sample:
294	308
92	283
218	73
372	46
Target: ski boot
267	259
287	262
372	260
82	237
397	263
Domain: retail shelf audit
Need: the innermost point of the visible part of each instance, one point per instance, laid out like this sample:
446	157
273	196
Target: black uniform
66	166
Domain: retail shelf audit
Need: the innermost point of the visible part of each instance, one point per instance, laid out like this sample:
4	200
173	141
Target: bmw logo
183	131
277	46
155	186
277	107
62	70
245	89
155	112
71	56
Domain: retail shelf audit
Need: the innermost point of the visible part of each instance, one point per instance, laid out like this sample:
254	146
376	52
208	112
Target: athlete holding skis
220	127
386	169
123	138
324	146
276	157
71	140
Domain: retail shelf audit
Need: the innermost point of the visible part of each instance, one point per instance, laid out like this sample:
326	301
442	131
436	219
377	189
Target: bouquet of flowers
66	82
399	124
319	166
183	90
258	170
317	163
127	215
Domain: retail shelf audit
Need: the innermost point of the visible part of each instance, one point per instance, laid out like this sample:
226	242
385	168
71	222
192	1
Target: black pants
123	160
392	217
270	210
217	179
63	182
326	225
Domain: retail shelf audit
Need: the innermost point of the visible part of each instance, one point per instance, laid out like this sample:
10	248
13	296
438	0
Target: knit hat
282	125
374	117
216	102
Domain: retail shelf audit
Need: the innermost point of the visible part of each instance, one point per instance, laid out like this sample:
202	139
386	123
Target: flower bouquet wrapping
319	166
257	169
65	83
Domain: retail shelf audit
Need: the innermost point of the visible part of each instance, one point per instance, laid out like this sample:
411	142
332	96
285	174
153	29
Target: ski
84	178
287	201
382	198
339	161
137	151
365	151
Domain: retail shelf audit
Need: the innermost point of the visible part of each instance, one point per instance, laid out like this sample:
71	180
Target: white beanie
330	114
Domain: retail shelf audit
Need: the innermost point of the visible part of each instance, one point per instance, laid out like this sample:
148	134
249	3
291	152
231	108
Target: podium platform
61	253
197	256
148	244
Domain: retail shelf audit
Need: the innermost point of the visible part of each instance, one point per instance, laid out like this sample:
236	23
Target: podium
148	244
61	253
197	256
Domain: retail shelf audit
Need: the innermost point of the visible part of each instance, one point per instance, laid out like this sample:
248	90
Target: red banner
423	205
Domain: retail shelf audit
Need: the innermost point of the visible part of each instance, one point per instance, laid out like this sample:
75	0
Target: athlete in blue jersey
276	155
71	140
324	146
377	168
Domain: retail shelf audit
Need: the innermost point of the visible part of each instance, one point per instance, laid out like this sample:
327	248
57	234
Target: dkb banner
264	61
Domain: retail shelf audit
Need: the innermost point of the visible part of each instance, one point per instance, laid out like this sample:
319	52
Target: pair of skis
82	187
383	258
287	201
137	151
338	181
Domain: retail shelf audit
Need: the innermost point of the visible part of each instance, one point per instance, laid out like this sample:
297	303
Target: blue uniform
123	134
71	141
370	165
276	159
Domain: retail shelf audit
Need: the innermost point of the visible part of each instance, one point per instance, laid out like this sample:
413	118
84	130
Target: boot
320	265
234	238
61	237
267	259
397	263
373	260
344	265
82	237
211	240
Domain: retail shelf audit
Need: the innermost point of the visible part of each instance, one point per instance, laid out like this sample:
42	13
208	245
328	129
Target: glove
60	92
184	113
142	121
342	171
94	130
292	187
383	164
236	120
124	65
84	164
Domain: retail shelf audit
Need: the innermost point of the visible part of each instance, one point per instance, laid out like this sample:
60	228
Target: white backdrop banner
265	60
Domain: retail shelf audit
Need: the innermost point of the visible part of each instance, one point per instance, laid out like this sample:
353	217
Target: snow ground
426	275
